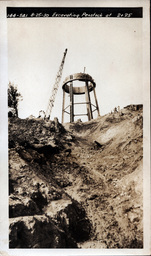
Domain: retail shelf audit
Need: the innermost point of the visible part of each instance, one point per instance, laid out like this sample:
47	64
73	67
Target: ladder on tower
55	88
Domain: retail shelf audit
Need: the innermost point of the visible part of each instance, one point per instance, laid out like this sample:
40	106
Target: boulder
37	232
20	206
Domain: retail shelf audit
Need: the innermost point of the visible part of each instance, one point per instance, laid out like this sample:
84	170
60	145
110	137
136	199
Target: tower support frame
69	88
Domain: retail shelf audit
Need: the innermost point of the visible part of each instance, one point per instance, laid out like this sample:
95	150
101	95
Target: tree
13	97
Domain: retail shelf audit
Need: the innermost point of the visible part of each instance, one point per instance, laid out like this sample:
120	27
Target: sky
109	48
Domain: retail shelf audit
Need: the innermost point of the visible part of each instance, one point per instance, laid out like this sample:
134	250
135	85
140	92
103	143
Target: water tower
86	85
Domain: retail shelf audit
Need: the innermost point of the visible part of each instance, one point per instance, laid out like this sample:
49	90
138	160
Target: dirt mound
41	214
81	183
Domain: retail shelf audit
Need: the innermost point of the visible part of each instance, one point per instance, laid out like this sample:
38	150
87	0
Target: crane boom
55	87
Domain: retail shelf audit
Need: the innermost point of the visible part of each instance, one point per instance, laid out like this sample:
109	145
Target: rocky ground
77	185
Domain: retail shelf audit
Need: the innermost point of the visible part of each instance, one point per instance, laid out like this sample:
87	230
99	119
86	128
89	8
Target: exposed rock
20	206
37	232
73	219
66	194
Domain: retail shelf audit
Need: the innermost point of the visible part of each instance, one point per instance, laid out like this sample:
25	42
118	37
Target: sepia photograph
77	127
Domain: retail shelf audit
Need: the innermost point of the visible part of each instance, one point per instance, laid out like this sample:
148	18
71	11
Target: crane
55	88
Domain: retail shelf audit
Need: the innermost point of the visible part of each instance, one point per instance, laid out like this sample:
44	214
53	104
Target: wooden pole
88	101
71	101
96	102
63	105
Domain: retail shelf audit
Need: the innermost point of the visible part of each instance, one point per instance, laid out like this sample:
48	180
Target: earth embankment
77	185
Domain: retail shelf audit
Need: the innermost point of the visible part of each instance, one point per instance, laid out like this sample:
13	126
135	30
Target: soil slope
77	186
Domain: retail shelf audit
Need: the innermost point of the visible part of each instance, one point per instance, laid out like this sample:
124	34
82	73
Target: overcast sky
109	48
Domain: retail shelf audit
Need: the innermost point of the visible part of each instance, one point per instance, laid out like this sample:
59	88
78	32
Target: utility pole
55	88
